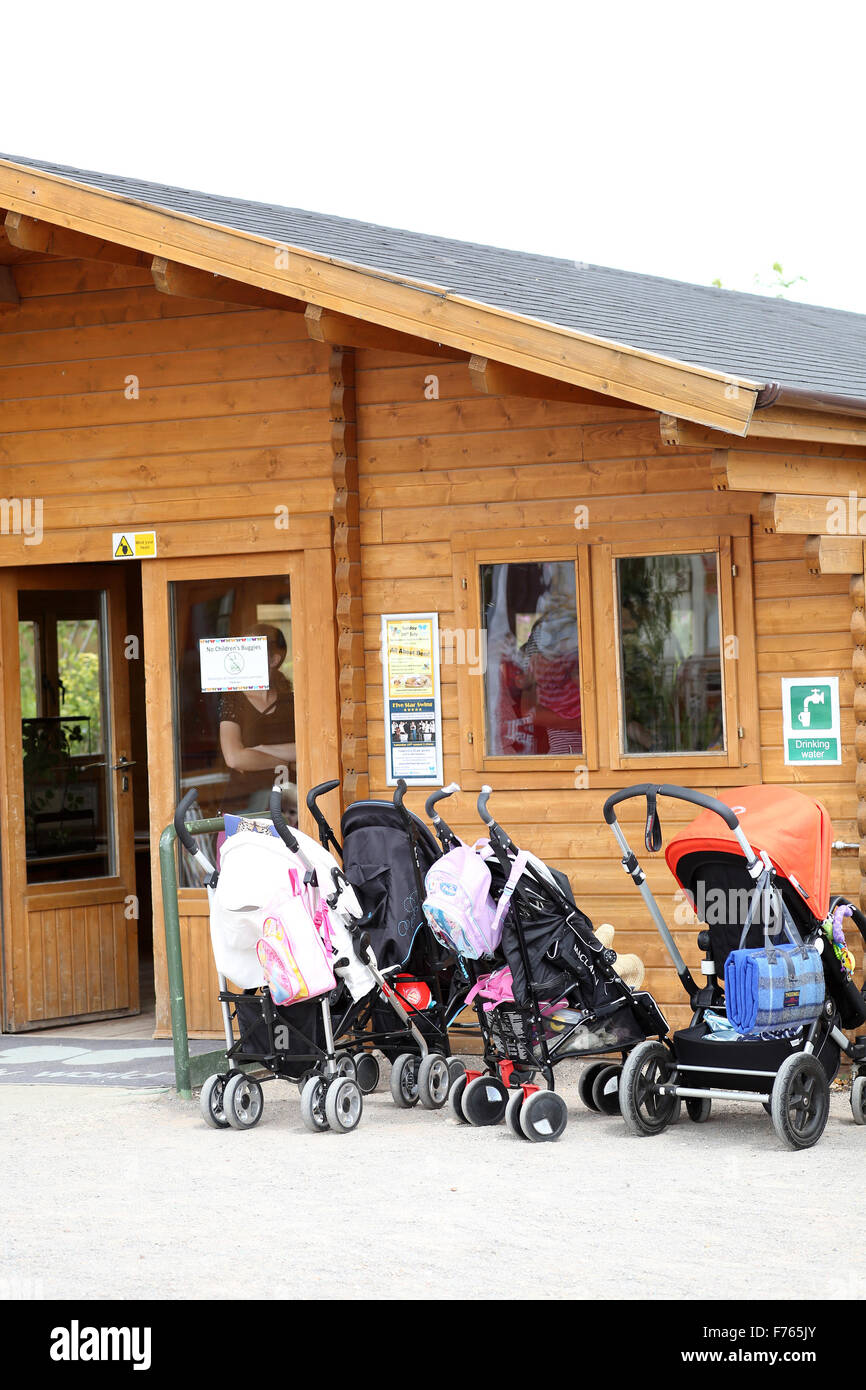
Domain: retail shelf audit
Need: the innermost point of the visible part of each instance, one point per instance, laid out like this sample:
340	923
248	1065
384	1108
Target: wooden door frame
18	895
309	566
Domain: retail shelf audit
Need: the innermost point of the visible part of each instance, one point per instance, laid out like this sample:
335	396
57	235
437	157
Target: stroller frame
233	1098
364	1037
653	1085
515	1045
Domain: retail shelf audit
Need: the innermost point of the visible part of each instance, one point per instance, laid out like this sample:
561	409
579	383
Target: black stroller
746	889
568	1001
386	850
308	1041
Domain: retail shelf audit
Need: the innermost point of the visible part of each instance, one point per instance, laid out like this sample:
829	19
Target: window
532	697
669	652
232	744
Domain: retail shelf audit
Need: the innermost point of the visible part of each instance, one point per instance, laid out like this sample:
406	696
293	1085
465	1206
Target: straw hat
605	934
631	970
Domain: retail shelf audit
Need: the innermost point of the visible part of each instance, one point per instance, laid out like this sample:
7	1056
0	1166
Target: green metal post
174	960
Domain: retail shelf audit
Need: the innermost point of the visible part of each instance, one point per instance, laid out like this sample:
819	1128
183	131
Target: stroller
743	888
295	1042
386	850
564	998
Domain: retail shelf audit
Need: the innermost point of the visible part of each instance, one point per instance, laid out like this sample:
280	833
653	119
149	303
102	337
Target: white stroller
298	1041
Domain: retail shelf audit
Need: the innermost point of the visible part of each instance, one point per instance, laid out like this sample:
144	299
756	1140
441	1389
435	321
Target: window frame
737	744
730	536
473	752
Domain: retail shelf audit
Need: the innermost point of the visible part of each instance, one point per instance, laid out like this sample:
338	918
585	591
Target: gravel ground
112	1193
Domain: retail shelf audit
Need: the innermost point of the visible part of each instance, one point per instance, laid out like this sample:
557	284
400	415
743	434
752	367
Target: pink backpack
291	951
459	907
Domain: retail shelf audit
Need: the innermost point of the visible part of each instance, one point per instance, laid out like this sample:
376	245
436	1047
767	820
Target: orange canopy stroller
754	863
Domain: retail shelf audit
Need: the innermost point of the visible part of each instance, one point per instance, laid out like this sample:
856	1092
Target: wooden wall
230	418
430	468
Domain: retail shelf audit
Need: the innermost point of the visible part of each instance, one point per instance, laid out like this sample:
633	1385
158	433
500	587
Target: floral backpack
294	949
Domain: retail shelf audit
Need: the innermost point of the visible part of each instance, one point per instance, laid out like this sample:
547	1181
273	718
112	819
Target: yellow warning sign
133	545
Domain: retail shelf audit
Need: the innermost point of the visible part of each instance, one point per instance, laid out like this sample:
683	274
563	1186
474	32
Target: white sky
690	140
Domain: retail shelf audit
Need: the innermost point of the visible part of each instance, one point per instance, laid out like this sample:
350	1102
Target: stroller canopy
379	862
794	830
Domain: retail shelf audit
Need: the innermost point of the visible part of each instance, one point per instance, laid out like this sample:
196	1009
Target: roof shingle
799	346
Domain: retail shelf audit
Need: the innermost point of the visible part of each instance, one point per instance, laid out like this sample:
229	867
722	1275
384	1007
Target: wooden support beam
340	330
844	430
753	470
8	290
834	555
498	379
791	514
29	234
171	277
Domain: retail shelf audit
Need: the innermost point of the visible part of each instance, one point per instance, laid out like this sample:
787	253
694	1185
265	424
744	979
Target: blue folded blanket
773	987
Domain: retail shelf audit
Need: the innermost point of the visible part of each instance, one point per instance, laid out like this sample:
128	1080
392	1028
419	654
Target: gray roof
768	340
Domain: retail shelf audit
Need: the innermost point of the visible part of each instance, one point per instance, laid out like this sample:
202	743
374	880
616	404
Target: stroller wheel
243	1101
366	1072
343	1104
543	1117
455	1098
698	1109
434	1081
585	1084
305	1077
605	1090
800	1101
313	1104
210	1103
512	1112
484	1101
858	1100
643	1109
404	1080
456	1069
345	1064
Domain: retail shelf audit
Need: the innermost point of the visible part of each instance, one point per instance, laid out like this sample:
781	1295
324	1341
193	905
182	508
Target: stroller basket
514	1035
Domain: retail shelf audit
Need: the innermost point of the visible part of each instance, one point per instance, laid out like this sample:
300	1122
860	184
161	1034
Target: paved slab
37	1060
119	1193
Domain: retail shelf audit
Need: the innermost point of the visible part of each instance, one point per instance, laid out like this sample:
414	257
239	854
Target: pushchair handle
181	831
279	820
652	789
399	792
483	798
315	792
439	796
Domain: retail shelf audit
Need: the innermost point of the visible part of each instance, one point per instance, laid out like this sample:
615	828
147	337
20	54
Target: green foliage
776	284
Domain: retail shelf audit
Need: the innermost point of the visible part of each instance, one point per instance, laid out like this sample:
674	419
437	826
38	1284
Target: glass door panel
65	731
234	736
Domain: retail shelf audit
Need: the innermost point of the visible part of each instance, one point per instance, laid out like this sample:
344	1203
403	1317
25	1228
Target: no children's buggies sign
811	721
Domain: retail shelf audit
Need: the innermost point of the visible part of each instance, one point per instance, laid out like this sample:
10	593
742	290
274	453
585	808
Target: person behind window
257	733
554	696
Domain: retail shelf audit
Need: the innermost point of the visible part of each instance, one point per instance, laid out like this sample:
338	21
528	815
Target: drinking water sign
811	721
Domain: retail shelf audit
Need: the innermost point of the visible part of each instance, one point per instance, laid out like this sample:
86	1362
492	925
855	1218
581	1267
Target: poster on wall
811	721
234	663
413	704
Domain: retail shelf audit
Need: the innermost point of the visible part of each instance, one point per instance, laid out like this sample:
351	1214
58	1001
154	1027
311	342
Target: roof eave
617	370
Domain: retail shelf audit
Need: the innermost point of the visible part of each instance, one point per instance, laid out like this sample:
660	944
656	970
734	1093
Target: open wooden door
70	949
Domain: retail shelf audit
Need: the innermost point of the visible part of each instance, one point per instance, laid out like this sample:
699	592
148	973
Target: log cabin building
639	498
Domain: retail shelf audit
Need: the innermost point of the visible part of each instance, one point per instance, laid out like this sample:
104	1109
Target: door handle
122	763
